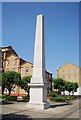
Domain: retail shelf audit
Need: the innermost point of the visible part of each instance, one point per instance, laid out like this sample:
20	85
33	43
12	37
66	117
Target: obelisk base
38	96
43	105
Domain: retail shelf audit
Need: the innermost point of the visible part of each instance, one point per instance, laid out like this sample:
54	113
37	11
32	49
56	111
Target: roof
68	63
11	55
48	72
27	62
22	61
10	47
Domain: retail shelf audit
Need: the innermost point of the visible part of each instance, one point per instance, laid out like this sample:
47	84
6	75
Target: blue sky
61	31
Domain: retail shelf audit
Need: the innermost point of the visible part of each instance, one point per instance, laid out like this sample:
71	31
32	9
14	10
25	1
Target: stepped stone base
43	105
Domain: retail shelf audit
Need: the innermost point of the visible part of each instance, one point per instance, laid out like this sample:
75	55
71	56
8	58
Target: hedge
52	94
57	99
9	98
26	98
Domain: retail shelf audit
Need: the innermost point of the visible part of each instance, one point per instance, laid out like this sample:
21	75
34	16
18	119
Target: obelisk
38	85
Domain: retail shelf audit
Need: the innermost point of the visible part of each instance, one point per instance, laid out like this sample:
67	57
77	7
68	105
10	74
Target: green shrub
72	97
3	96
26	98
52	94
69	97
9	98
0	96
57	99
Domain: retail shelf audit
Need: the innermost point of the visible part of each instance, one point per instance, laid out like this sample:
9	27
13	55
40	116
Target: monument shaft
38	85
39	54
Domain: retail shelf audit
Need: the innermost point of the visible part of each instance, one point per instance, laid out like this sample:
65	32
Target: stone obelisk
38	85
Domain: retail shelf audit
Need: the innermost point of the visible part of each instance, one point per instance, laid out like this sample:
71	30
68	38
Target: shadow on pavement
6	102
15	117
59	105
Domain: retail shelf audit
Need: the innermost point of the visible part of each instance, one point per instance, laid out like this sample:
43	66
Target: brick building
69	72
72	73
12	62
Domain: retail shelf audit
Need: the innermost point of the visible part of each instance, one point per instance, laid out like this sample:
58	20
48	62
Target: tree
10	79
75	87
0	79
24	83
69	87
59	84
3	81
62	85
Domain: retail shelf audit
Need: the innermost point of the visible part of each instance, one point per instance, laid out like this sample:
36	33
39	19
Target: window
68	70
75	76
63	71
74	70
63	76
15	62
25	91
27	70
5	90
68	76
14	69
7	63
13	91
7	69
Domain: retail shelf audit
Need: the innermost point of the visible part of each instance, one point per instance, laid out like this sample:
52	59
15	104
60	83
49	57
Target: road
18	110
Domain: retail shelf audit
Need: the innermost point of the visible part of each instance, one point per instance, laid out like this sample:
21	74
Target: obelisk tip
40	15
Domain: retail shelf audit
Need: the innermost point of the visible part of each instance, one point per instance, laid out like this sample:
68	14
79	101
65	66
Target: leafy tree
63	89
0	79
62	85
75	87
3	81
10	79
59	84
69	87
24	83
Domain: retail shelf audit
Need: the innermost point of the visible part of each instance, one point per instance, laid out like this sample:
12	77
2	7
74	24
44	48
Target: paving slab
56	110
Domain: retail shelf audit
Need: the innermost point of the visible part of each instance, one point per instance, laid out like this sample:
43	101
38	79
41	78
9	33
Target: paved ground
18	110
